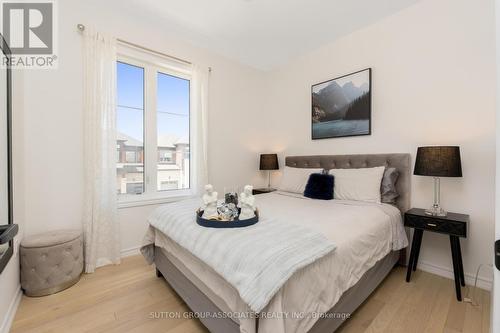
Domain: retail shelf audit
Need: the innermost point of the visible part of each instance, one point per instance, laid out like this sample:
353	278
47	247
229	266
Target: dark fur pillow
319	186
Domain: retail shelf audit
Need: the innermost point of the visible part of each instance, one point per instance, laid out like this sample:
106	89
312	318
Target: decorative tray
236	223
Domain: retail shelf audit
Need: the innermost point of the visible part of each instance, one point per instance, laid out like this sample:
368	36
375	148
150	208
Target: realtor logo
29	30
27	27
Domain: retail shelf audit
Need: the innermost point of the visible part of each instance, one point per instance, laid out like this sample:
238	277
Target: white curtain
200	116
100	223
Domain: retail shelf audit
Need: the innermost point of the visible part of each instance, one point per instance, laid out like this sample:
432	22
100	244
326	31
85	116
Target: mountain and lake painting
342	106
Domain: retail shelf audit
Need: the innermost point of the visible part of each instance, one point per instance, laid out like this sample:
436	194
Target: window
153	124
165	155
130	129
173	131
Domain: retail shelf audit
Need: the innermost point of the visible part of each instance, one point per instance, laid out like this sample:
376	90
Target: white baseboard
132	251
482	282
11	312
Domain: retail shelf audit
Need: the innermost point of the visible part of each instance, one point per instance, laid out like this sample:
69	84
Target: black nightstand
454	225
264	190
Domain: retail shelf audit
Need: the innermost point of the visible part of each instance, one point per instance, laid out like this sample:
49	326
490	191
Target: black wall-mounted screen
497	254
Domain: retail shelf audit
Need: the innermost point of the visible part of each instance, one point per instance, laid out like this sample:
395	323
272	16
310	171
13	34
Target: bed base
199	302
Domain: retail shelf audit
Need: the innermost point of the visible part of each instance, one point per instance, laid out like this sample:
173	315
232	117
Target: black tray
226	224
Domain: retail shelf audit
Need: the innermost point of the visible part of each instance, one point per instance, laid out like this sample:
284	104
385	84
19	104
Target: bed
370	240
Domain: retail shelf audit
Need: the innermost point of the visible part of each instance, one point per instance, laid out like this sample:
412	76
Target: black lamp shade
438	161
269	162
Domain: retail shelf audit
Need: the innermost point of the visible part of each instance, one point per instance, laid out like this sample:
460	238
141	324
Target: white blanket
256	260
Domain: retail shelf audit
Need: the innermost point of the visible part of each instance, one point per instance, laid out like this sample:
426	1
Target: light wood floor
121	299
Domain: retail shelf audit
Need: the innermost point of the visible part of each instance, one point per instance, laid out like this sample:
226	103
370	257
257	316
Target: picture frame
341	107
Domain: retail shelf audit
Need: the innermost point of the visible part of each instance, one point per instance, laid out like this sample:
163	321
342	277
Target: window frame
153	65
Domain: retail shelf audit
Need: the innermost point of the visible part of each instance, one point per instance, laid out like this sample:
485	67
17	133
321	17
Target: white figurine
210	203
247	203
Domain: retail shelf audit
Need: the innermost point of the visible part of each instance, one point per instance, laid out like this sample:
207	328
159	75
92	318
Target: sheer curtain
200	128
100	223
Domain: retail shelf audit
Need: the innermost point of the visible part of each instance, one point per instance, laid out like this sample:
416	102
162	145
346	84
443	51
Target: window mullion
150	132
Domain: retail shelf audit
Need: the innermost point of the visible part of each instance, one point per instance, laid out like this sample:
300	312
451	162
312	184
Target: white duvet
363	233
256	260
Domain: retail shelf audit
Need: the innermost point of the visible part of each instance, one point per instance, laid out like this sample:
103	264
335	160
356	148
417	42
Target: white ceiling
266	33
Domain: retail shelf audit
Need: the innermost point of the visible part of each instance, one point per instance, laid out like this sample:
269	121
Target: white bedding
363	232
256	260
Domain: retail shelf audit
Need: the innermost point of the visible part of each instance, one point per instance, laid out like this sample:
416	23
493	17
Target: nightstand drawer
436	225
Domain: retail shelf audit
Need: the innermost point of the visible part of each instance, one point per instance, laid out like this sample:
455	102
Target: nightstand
264	190
454	225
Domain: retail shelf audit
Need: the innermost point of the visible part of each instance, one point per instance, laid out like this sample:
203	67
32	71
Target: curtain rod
81	28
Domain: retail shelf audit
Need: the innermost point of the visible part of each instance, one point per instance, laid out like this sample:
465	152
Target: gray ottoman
51	261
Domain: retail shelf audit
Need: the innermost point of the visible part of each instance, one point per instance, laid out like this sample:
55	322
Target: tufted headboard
399	161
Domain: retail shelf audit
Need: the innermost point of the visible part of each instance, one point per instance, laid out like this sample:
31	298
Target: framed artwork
342	106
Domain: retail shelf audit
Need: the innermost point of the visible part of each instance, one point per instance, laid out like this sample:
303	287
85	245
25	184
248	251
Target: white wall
10	290
433	84
54	176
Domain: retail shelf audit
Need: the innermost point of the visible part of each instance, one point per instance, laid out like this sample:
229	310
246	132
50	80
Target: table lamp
269	162
438	161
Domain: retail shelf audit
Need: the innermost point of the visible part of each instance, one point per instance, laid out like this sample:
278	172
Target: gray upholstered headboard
398	161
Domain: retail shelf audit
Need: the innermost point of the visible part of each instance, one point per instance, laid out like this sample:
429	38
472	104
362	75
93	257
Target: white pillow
295	179
357	184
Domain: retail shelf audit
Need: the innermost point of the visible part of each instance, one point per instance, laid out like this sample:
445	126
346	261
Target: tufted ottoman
51	261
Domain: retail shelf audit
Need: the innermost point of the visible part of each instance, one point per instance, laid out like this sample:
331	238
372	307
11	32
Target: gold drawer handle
431	225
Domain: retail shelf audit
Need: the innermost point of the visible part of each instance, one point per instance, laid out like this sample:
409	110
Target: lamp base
436	211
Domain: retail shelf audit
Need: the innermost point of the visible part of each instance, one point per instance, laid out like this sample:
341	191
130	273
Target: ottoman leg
158	273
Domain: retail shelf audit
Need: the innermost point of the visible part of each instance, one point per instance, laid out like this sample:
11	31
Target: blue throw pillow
319	186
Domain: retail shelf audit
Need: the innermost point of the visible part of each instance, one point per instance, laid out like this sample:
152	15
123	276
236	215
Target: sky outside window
173	106
130	111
